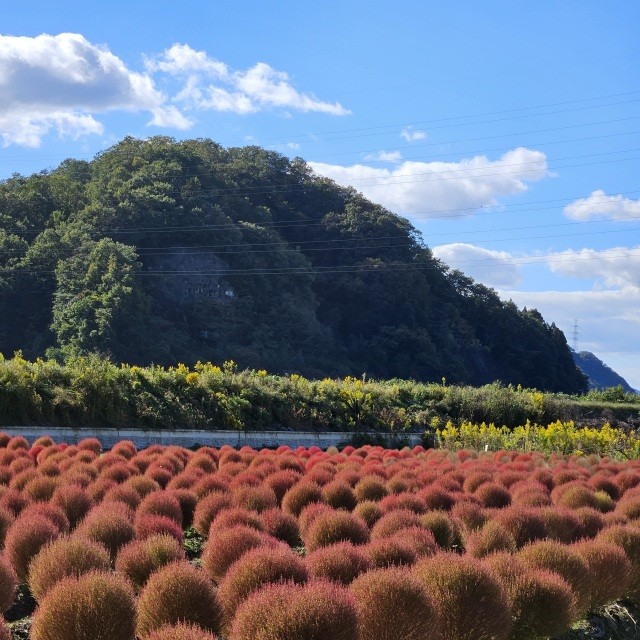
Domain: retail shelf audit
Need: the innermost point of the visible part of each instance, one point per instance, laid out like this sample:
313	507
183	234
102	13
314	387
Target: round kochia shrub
253	570
394	521
563	560
94	606
610	570
392	604
627	537
335	526
109	524
178	592
469	598
138	559
74	501
542	604
315	611
181	632
207	509
223	549
8	583
390	552
161	503
280	525
300	495
148	524
62	558
26	536
341	562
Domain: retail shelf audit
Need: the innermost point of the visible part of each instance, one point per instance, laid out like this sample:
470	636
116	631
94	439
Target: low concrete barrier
194	437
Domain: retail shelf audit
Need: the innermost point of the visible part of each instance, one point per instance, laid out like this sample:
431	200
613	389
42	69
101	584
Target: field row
367	543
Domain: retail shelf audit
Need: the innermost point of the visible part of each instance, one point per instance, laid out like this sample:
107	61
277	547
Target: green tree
99	304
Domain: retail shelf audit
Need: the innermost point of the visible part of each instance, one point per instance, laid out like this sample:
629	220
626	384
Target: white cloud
384	156
427	189
182	59
600	205
254	89
58	82
493	268
614	267
412	135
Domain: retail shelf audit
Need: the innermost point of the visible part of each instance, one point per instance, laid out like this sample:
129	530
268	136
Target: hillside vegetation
92	392
161	252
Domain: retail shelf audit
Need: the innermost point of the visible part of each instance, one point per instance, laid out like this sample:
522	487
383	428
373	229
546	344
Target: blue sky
507	132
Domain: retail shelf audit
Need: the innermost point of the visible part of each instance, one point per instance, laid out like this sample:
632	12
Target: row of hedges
93	392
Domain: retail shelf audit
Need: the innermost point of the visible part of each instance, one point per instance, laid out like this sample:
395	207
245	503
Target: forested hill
600	375
160	251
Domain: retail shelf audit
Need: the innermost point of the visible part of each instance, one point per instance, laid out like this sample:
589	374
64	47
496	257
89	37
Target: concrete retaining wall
194	437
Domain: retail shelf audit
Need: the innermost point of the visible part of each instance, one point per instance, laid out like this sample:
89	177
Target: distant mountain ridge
600	375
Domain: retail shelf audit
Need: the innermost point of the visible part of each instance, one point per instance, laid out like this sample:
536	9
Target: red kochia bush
74	501
316	611
341	562
442	527
389	552
469	598
138	559
609	568
223	549
369	511
8	583
542	604
257	499
335	526
147	525
281	482
626	537
26	536
161	503
108	524
299	496
207	509
563	560
339	495
370	488
180	632
65	557
255	569
235	516
393	604
394	521
525	525
493	495
491	538
178	592
280	525
92	607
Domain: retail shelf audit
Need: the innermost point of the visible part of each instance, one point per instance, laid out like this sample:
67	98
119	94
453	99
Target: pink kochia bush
255	569
94	606
469	598
178	592
393	604
315	611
